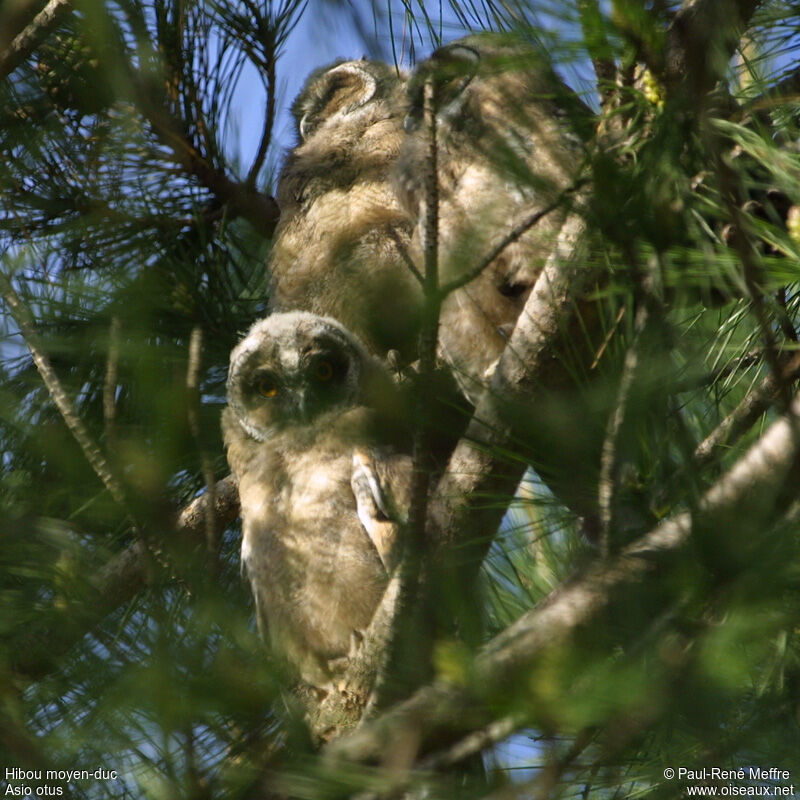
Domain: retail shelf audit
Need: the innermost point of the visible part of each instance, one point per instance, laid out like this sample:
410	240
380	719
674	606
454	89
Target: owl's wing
381	485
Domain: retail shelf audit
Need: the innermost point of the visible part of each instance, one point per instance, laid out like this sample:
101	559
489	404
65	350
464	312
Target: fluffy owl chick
339	246
505	150
319	489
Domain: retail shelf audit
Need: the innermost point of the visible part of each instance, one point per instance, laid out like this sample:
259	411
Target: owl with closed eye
322	490
339	248
507	148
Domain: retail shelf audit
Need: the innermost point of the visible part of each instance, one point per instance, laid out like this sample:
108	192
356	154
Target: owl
323	491
340	246
506	149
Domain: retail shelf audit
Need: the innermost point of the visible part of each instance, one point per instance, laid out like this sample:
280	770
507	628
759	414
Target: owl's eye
323	370
267	386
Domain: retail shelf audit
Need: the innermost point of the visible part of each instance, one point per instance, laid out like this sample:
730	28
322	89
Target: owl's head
348	92
494	80
293	368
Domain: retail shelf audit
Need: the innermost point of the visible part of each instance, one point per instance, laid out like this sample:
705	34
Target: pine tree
630	608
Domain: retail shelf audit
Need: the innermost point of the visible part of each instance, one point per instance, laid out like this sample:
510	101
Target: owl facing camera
323	491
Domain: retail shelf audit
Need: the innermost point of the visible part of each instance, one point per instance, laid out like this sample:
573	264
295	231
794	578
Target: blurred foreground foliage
130	227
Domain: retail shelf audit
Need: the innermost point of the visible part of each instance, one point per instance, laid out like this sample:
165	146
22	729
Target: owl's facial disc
292	369
318	383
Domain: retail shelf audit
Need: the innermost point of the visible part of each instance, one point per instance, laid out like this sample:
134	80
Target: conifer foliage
629	609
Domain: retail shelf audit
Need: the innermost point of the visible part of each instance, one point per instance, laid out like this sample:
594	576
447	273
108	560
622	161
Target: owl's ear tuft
339	91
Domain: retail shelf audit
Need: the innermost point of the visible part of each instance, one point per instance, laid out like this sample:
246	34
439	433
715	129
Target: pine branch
440	711
194	403
749	410
110	383
784	91
115	584
600	51
512	236
34	33
242	199
530	366
80	432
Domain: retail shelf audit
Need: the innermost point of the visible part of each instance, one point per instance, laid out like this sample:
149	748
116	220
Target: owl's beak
301	403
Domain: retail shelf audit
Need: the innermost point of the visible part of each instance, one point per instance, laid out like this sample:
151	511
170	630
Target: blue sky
326	32
331	29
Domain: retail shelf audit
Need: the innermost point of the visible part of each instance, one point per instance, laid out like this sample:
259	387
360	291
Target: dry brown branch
242	199
530	365
440	711
32	35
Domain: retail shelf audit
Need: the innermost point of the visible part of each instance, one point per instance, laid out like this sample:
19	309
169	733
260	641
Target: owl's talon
356	643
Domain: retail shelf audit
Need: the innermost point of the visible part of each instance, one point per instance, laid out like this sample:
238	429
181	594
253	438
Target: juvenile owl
339	246
506	149
321	489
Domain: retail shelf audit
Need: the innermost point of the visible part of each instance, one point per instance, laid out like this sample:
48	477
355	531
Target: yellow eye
267	387
323	371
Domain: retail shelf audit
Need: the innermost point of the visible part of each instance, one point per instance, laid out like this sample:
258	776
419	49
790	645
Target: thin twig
608	458
548	780
474	743
266	133
647	305
600	51
116	583
403	251
110	383
751	272
193	411
749	410
608	337
243	200
785	321
699	38
91	450
428	329
505	242
408	629
710	378
529	363
74	423
783	92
